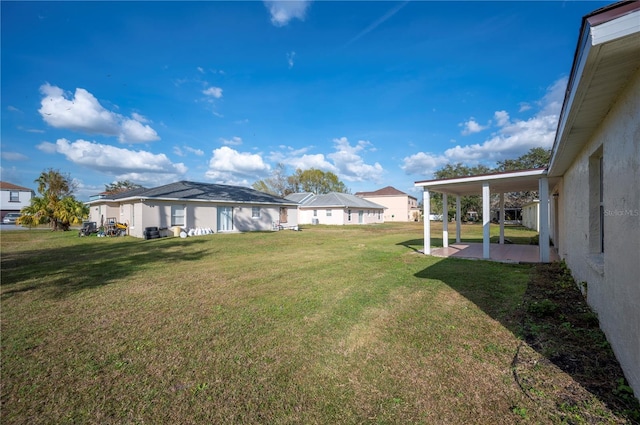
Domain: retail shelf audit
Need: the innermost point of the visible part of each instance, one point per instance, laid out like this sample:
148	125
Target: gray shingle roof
340	200
186	190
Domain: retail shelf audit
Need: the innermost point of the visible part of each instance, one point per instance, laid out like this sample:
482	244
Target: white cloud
524	106
198	152
471	127
134	132
13	109
213	92
136	116
351	165
512	139
284	11
138	166
501	117
290	57
83	113
306	162
234	141
13	156
232	167
200	69
423	163
177	150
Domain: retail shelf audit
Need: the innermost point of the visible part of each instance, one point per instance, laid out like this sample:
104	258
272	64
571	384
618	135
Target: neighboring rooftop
385	191
11	186
187	190
338	200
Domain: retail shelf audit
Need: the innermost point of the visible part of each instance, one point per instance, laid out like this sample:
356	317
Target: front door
225	219
360	217
283	215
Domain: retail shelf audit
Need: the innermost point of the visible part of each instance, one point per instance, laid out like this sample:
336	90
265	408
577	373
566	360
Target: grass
327	325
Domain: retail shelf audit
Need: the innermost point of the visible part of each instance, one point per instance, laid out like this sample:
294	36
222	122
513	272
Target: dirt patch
567	363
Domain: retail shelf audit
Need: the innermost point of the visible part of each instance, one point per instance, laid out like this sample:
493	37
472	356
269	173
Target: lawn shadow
90	263
552	317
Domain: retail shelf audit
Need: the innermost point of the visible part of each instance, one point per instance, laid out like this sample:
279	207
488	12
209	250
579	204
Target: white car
10	218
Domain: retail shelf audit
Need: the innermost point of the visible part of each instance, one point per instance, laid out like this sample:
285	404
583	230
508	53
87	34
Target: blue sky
380	93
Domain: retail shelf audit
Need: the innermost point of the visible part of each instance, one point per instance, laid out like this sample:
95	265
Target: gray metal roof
339	200
195	191
299	197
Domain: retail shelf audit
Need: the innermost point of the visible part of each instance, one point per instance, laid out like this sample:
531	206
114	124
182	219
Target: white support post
426	201
445	220
501	218
458	219
486	222
543	240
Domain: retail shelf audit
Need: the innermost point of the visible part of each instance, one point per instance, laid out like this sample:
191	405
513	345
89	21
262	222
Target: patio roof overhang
510	181
485	184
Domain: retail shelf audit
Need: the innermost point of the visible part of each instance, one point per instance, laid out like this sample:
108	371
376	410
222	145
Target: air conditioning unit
314	221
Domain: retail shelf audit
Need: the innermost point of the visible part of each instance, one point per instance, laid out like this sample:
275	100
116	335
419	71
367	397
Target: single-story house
13	198
336	208
589	199
400	206
193	205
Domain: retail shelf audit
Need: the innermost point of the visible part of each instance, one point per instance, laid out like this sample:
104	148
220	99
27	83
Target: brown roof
11	186
385	191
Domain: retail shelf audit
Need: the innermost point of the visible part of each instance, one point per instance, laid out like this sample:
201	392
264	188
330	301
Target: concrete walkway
507	253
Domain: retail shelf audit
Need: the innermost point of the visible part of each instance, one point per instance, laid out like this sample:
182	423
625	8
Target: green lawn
323	326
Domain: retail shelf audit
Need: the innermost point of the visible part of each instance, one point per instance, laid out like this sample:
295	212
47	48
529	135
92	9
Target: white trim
486	222
482	178
617	28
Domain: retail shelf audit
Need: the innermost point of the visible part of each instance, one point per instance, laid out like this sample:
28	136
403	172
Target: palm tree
57	205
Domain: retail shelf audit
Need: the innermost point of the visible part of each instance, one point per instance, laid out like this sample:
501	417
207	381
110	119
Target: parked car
10	218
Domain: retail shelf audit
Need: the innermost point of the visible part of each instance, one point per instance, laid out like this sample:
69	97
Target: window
329	213
315	213
177	215
596	203
255	212
348	215
14	196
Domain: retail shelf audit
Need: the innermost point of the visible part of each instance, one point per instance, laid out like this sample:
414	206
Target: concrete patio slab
505	253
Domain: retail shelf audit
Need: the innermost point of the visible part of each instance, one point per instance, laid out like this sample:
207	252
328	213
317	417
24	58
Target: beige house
191	205
589	199
336	208
399	205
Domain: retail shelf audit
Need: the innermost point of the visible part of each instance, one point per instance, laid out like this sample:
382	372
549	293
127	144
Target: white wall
612	277
530	217
24	200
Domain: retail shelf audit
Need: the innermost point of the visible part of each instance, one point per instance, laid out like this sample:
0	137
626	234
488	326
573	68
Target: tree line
311	180
534	158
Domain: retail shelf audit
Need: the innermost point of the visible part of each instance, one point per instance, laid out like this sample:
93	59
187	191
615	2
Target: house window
596	203
379	214
14	196
315	213
255	212
177	215
328	213
348	215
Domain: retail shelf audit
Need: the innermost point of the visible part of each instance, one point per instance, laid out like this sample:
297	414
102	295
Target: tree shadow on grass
91	262
551	316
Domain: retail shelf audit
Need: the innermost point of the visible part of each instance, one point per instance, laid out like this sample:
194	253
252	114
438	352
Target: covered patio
486	184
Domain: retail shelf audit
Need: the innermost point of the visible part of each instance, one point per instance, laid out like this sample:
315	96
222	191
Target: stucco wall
612	277
398	207
306	216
